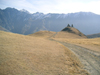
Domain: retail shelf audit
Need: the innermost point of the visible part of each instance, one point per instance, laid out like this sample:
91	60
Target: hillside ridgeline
67	32
93	35
70	32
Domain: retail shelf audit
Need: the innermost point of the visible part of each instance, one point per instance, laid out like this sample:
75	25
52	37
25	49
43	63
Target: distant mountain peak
86	13
23	10
20	21
38	13
9	8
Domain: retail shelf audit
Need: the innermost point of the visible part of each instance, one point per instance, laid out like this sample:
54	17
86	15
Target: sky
53	6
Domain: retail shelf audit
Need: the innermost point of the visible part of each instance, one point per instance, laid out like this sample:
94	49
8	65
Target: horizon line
49	12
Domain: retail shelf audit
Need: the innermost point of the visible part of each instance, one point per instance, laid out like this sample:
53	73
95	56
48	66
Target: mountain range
23	22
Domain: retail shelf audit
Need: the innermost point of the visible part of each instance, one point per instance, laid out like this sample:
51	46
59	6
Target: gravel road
89	58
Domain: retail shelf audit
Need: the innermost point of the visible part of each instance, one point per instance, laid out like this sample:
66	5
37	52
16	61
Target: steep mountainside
25	23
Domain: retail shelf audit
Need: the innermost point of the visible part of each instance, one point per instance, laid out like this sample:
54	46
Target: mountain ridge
26	23
93	35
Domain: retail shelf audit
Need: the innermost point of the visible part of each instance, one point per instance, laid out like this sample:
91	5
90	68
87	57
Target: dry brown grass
44	34
74	31
67	35
73	64
26	55
93	44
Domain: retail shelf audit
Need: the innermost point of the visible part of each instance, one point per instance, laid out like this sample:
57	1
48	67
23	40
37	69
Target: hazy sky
53	6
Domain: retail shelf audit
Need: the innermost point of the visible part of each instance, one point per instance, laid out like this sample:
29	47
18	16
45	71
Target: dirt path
90	59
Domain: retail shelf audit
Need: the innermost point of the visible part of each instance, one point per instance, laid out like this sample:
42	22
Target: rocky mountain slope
23	22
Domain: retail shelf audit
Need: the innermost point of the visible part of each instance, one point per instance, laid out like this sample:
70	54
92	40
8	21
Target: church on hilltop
69	25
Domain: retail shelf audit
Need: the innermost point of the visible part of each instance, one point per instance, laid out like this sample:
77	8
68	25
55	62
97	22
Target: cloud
93	7
19	4
53	6
77	6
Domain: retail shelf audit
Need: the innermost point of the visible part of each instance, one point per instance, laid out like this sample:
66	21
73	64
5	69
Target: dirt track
90	59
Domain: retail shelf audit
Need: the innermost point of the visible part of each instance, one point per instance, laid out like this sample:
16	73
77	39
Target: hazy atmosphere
53	6
49	37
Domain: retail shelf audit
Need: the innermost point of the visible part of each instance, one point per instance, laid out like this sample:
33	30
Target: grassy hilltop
26	55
